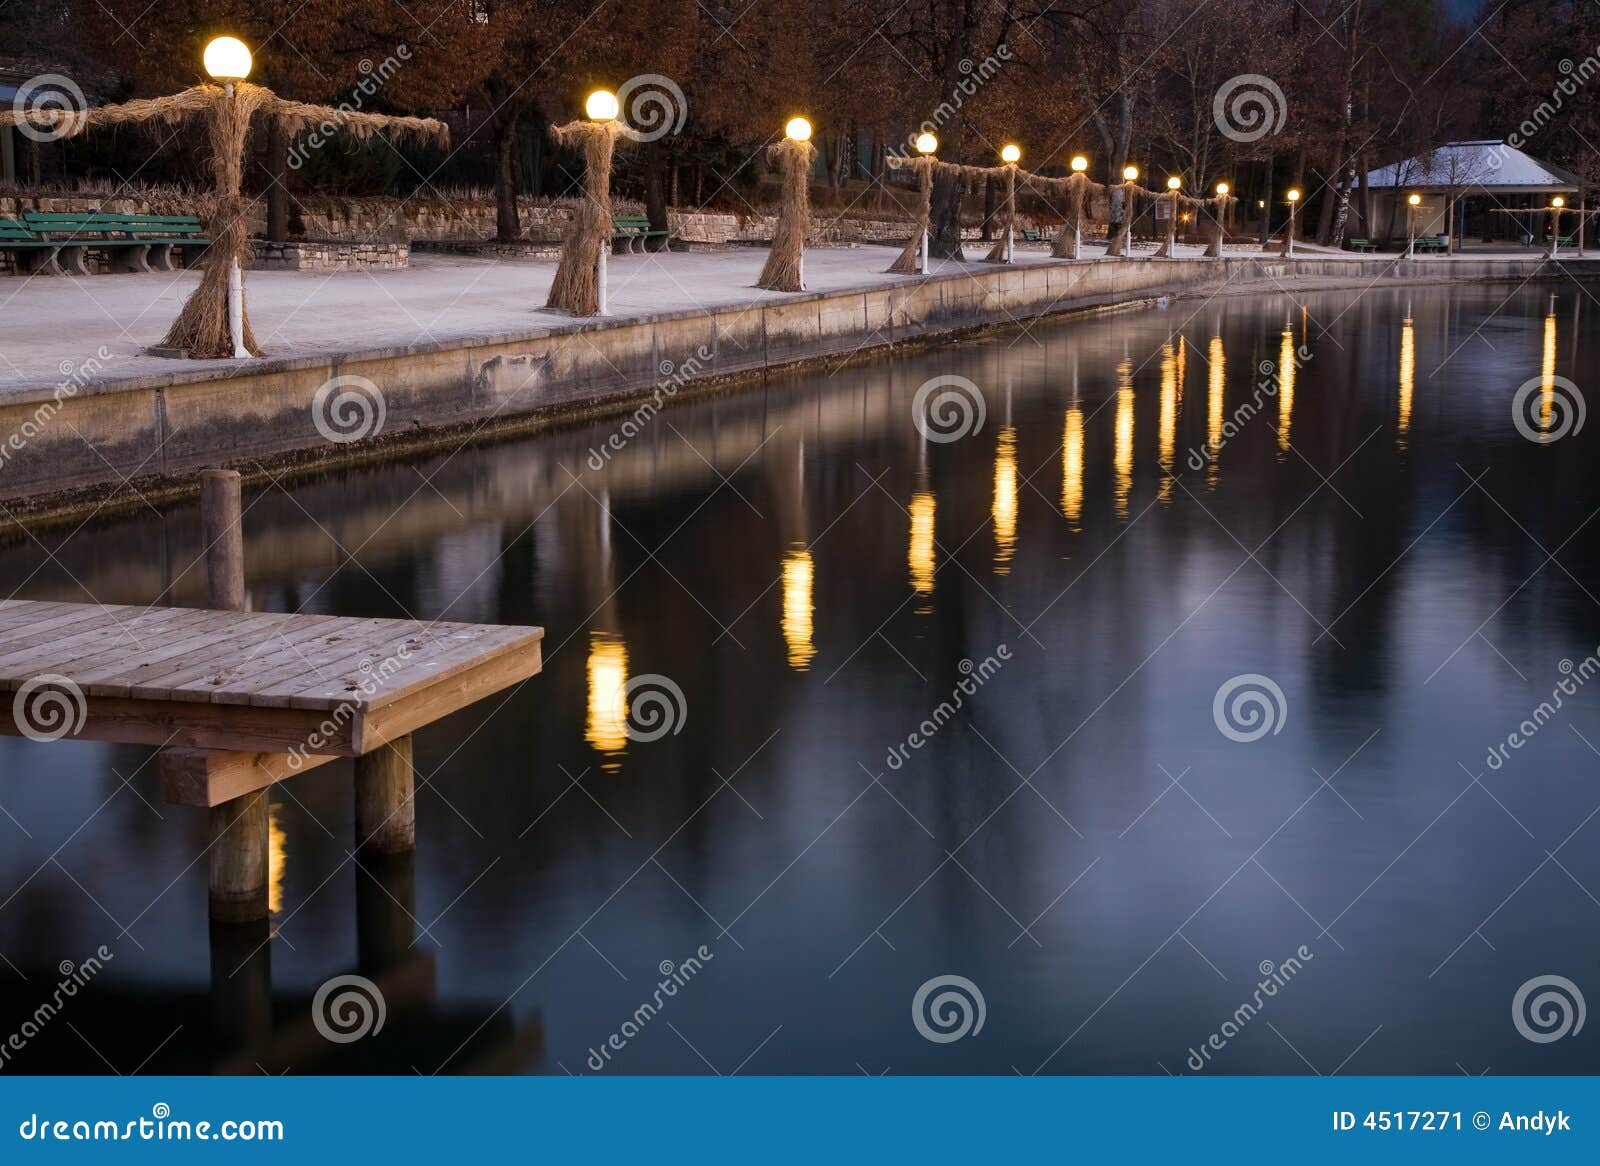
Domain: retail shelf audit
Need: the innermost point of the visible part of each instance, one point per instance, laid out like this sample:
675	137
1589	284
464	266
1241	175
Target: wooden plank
19	644
428	657
399	717
209	777
227	677
298	661
496	640
231	650
63	653
115	677
178	724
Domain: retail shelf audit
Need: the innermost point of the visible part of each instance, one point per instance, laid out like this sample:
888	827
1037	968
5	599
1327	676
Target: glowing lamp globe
926	143
227	59
1079	163
798	129
1222	189
601	105
1129	173
1415	200
1294	196
1011	154
1174	182
1558	202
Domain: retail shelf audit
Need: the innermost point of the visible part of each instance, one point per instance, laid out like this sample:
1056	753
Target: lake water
949	708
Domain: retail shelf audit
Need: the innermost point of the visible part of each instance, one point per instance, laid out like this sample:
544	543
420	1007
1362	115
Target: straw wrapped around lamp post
1068	243
203	327
1002	251
1219	221
914	259
1121	242
580	282
785	266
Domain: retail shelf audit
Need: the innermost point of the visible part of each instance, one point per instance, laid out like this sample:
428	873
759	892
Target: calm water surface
1079	839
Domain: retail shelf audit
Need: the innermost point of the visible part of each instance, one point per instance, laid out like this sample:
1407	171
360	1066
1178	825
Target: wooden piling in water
238	827
386	820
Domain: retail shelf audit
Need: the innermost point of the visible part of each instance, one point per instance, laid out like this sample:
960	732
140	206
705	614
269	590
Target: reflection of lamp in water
1072	467
798	575
1167	421
919	554
607	726
1286	371
1408	371
277	859
1122	449
1547	371
1004	508
1214	407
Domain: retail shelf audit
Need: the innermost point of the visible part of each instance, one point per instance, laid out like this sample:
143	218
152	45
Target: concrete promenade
453	347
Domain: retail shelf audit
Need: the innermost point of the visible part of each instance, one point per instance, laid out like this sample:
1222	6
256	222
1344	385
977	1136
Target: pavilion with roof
1482	177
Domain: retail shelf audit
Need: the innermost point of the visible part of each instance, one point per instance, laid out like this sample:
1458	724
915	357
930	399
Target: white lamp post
602	105
1288	245
1130	175
1174	184
1011	154
1556	204
927	145
1412	203
1079	165
798	129
227	59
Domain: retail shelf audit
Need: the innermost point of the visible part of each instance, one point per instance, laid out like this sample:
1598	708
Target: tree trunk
1266	203
277	168
507	223
989	207
655	190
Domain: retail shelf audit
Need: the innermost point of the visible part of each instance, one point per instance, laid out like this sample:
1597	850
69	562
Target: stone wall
329	256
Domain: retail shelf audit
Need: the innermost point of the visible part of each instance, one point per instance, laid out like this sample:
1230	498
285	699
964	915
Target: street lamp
1079	163
1130	173
601	105
1412	203
927	143
798	129
1010	154
1288	243
227	59
1169	247
1556	204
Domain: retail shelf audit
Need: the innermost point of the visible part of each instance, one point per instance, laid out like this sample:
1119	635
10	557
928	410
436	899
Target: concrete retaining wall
108	434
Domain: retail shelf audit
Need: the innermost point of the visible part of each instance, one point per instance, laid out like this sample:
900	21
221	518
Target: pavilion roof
1486	165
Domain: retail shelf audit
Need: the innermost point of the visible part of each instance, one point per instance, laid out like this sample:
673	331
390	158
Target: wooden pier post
386	821
238	827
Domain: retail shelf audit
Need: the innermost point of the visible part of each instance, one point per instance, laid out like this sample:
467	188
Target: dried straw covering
910	259
1008	217
577	287
782	270
202	326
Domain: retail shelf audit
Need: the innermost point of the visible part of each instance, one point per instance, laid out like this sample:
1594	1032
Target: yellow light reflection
798	575
919	555
1122	448
1214	407
607	726
1167	422
1286	371
1408	375
1072	467
277	859
1547	374
1004	508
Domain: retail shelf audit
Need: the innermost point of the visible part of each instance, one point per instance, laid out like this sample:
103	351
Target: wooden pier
237	701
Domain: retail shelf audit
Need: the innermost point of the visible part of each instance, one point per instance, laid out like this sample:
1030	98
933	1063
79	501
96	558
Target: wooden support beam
386	799
209	777
239	859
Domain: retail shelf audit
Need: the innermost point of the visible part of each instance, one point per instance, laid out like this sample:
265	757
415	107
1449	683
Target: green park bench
1431	243
1363	245
636	229
1032	234
30	249
131	242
